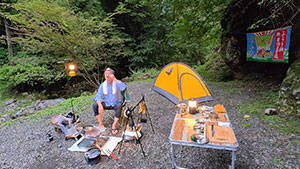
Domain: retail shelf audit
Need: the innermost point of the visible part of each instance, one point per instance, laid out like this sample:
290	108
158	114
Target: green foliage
142	74
3	56
84	8
26	74
275	16
178	30
268	99
215	68
30	69
57	32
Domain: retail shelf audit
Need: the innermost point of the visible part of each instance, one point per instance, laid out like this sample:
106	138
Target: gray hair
111	70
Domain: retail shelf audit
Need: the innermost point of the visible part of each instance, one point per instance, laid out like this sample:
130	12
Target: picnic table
218	131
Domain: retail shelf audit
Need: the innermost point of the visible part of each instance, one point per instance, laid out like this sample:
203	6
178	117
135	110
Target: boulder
127	79
238	18
10	102
270	111
289	93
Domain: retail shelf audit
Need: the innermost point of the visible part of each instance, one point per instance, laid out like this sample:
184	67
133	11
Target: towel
114	87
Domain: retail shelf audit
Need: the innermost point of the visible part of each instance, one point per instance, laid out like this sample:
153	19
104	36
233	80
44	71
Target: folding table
220	136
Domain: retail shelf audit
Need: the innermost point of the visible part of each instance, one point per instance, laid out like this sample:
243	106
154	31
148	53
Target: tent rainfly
179	82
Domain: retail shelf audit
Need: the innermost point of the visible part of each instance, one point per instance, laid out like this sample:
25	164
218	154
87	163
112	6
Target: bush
3	56
26	74
215	69
142	74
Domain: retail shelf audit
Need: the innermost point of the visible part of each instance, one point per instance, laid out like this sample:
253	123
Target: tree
45	26
8	41
6	8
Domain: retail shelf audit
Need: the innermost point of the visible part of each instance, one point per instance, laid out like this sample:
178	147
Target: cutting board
222	135
183	130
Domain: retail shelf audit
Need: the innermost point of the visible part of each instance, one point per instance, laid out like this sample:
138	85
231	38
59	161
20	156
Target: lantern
192	106
72	69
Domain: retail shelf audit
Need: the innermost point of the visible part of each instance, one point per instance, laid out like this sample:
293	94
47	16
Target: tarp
179	82
269	46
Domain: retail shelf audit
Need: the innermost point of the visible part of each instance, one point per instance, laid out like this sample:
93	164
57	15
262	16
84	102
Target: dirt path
22	144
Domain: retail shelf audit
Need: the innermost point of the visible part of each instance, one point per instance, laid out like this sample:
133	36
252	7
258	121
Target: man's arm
99	94
120	84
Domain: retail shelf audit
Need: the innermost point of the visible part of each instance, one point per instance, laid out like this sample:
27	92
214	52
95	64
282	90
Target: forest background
40	37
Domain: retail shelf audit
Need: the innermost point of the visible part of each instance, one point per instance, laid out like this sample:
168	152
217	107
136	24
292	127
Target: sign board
269	46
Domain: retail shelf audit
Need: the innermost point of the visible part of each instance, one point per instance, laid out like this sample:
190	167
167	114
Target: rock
19	112
289	97
233	46
296	91
29	110
13	116
146	76
10	102
2	119
25	94
5	116
127	79
40	106
246	116
270	111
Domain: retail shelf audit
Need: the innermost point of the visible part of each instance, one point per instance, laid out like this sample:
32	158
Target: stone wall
289	94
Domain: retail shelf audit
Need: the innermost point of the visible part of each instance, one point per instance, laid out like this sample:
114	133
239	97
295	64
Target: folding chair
125	101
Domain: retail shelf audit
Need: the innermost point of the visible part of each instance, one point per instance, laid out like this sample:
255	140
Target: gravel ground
23	143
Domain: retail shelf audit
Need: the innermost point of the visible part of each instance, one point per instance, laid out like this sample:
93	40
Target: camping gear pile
89	139
69	124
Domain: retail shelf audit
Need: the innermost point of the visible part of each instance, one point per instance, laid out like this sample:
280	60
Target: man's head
109	75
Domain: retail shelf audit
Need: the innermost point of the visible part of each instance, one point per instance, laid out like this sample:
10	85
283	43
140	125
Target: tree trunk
9	47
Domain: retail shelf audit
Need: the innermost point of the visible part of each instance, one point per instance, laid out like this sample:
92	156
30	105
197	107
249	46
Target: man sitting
109	97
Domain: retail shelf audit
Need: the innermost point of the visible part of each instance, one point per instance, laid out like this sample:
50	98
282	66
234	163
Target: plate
199	138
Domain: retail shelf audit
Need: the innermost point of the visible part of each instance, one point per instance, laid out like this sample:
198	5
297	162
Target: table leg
233	158
173	157
181	149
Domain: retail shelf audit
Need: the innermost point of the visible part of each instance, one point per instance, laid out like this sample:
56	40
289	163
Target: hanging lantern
72	69
72	73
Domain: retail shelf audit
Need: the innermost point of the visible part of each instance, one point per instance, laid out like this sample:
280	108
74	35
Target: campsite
25	147
206	84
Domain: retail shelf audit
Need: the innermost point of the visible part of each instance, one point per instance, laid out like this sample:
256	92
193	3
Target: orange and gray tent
179	82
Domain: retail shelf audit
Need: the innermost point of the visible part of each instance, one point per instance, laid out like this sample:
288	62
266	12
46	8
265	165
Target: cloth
111	97
105	89
117	107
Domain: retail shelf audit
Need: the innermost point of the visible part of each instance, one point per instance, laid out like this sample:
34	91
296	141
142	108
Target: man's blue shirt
110	99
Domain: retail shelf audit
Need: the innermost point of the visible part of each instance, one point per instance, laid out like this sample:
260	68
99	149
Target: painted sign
269	46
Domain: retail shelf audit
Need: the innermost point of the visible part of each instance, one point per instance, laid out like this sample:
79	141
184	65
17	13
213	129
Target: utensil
106	152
